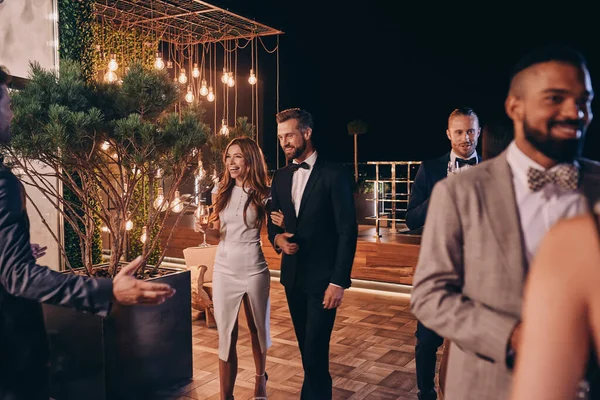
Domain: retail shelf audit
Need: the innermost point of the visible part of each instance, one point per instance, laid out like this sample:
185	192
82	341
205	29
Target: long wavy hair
256	181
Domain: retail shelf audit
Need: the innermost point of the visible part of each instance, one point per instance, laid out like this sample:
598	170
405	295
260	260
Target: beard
298	152
560	150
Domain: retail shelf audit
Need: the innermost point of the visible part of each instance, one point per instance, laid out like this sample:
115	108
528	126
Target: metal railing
391	192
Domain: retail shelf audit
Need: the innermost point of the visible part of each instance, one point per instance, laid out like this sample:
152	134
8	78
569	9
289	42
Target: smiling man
318	244
484	225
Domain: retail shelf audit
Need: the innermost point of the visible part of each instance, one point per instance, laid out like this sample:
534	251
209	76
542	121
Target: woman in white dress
240	273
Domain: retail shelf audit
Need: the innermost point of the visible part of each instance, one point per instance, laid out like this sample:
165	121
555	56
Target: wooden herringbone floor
372	352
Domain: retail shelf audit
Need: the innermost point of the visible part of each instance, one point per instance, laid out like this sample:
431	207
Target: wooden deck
390	258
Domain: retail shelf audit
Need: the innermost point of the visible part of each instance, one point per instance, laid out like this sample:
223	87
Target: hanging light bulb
144	236
196	71
113	65
169	64
177	204
159	64
105	146
159	173
189	97
115	156
129	223
252	78
124	189
225	76
201	172
230	80
182	77
104	228
110	77
203	88
160	203
210	96
224	129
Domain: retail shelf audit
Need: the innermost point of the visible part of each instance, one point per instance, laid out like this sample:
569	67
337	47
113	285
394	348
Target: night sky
403	69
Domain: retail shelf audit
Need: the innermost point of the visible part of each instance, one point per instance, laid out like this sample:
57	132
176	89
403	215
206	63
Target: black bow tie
461	162
296	167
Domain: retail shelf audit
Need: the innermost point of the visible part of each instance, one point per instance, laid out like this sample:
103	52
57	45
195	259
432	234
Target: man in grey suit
484	225
24	285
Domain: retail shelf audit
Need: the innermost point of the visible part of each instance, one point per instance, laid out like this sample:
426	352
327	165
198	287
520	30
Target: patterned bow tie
296	167
462	162
565	176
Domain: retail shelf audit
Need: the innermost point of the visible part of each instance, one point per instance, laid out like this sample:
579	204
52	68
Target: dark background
404	67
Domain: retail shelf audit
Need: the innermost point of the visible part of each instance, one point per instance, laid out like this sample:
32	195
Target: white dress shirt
454	156
539	211
300	179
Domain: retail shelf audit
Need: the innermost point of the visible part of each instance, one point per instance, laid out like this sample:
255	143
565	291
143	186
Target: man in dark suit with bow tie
318	244
463	132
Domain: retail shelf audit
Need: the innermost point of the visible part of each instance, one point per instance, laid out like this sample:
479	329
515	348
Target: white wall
28	31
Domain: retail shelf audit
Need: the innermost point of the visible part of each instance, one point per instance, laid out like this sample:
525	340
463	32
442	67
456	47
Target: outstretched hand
128	290
38	251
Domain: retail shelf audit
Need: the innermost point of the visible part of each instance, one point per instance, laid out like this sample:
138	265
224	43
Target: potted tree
113	146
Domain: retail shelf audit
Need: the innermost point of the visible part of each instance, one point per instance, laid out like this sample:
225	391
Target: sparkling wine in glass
201	217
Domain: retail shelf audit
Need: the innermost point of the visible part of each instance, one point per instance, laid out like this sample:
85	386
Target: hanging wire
277	95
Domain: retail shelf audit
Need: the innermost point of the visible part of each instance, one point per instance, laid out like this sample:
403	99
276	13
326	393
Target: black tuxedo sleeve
419	200
19	274
347	228
273	229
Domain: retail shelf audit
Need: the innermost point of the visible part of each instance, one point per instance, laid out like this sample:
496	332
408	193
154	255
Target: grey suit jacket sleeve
19	274
437	299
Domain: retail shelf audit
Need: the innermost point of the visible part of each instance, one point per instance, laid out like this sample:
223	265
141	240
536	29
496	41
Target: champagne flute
201	217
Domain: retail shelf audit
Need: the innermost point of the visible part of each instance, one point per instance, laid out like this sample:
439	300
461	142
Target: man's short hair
305	120
463	111
549	53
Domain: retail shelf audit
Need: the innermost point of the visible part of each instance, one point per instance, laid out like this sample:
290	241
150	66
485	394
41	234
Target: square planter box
130	354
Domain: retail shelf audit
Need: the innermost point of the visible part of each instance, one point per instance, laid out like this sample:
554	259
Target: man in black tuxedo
24	285
463	132
318	244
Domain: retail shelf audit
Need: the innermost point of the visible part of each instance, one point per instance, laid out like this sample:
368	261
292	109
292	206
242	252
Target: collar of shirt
311	160
454	156
520	163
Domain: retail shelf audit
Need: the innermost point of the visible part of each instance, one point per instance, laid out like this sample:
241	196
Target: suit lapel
498	195
310	185
286	200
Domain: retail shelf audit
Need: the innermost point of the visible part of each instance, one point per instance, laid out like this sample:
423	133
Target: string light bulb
159	64
203	88
224	129
110	77
196	71
169	64
177	204
230	80
252	78
105	146
210	96
225	76
144	235
113	65
160	203
189	96
182	77
129	223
